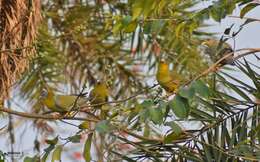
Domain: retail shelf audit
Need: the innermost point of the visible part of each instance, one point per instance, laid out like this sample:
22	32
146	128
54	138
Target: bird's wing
65	102
81	101
175	77
69	100
92	96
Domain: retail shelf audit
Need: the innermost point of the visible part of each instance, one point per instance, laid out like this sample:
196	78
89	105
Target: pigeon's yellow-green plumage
217	49
167	79
99	94
61	103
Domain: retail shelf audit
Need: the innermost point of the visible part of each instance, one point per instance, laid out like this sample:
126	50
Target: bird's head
44	94
209	42
163	65
100	84
101	87
213	43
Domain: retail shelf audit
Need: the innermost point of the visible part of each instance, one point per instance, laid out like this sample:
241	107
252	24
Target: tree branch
213	67
47	117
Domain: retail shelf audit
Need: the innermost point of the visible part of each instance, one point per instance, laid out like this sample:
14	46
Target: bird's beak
43	94
40	97
204	43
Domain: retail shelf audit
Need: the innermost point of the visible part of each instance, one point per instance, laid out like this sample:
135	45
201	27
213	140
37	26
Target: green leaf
126	20
144	115
164	108
169	138
148	6
187	92
26	159
227	30
162	105
238	80
248	21
103	126
137	9
200	114
179	29
253	76
156	115
2	156
157	26
216	13
146	130
147	28
117	27
175	127
56	155
180	106
84	125
52	141
192	157
75	139
49	149
236	89
123	156
44	157
130	27
248	8
201	88
147	104
206	150
29	159
87	148
202	14
47	152
243	2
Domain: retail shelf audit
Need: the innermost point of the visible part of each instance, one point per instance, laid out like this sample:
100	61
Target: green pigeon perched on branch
216	49
99	94
61	103
166	78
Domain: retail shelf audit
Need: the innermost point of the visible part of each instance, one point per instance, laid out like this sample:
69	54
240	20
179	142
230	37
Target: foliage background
67	59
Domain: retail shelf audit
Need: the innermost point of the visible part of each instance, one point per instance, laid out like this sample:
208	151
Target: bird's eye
98	82
44	93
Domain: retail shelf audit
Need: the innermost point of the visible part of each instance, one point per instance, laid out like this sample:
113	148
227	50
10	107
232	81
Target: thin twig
11	132
211	126
247	18
47	117
213	67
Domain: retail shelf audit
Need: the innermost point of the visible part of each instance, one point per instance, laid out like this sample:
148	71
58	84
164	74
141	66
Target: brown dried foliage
18	23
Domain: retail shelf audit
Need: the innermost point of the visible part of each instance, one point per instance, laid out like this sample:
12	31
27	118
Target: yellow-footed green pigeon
61	103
